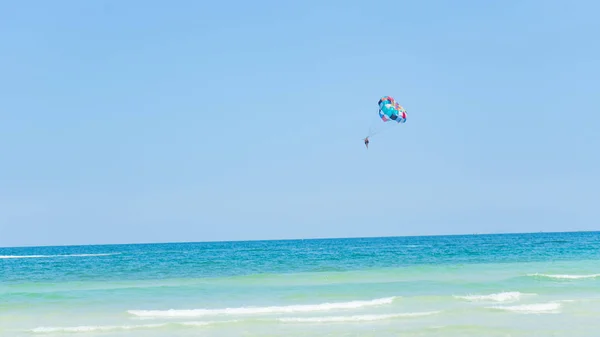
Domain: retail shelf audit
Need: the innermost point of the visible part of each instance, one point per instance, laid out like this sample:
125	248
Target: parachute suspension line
377	126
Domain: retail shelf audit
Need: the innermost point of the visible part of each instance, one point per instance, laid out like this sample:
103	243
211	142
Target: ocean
539	284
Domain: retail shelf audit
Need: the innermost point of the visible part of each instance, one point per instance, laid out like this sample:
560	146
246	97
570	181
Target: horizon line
301	239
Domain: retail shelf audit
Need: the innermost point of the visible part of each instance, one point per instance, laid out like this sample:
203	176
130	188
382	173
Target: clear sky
154	121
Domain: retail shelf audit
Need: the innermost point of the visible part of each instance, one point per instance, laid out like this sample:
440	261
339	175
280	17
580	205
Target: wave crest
540	308
499	297
262	310
564	276
109	328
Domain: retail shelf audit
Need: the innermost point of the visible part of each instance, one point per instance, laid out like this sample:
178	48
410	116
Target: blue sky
142	121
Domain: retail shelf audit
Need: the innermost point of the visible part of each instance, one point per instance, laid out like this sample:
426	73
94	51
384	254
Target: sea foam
540	308
499	297
565	276
262	310
109	328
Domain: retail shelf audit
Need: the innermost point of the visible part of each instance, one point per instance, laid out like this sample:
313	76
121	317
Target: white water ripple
565	276
108	328
539	308
511	296
262	310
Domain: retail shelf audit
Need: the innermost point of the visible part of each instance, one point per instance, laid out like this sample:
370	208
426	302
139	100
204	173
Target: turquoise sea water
475	285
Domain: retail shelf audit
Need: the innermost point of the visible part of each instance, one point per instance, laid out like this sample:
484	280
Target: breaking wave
262	310
565	276
499	297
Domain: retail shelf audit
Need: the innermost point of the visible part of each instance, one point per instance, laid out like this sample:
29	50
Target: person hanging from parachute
389	110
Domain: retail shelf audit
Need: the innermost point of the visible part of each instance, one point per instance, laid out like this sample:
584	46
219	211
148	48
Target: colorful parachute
390	110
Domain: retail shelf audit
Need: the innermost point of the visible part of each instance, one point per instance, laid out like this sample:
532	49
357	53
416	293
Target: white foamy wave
541	308
262	310
51	256
499	297
565	276
106	328
355	318
95	328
